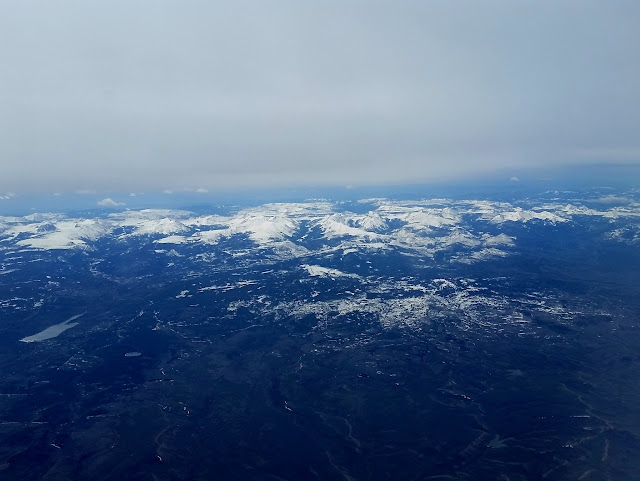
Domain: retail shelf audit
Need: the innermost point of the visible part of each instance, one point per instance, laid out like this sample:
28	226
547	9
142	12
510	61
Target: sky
109	95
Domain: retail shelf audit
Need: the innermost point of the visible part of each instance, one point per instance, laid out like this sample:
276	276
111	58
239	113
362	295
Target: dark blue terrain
476	343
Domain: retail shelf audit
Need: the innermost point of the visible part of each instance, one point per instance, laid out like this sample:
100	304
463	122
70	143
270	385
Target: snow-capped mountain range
420	227
323	241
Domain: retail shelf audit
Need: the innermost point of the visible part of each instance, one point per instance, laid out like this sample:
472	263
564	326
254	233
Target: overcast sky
134	95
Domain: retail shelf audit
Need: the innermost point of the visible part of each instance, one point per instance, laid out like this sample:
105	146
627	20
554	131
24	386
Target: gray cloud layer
165	94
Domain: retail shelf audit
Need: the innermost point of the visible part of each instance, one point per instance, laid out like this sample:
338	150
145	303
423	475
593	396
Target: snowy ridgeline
418	225
398	302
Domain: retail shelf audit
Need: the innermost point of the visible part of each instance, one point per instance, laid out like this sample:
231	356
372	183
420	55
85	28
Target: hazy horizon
153	96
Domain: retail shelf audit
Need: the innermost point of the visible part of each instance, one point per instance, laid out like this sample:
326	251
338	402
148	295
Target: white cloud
201	191
614	199
108	202
339	106
514	179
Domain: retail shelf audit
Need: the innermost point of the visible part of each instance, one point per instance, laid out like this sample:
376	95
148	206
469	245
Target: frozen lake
53	331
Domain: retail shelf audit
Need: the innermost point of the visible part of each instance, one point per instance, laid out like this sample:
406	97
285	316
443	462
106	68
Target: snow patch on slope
318	271
520	215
